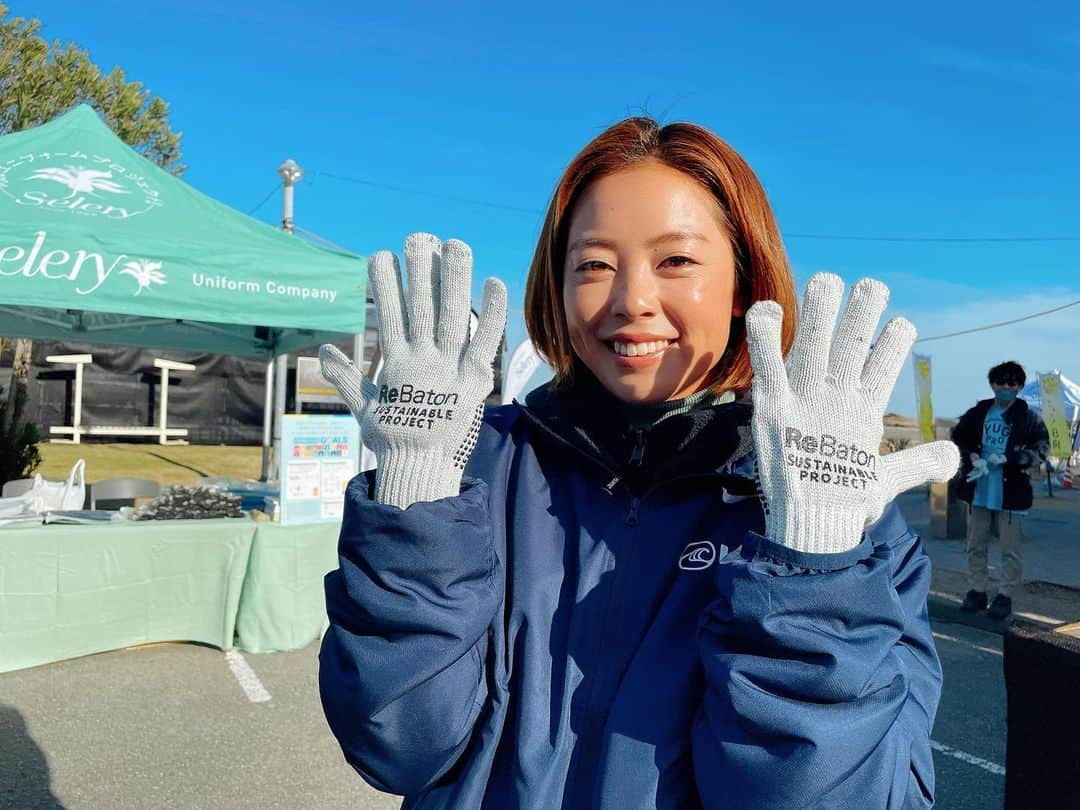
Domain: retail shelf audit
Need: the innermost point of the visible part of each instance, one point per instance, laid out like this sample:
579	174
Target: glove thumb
934	461
356	389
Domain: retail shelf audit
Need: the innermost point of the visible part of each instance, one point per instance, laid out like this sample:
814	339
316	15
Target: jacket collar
642	449
1014	413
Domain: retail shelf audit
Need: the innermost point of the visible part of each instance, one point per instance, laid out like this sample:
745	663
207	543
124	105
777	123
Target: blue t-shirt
988	488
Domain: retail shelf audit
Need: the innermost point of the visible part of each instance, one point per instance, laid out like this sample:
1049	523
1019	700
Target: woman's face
649	283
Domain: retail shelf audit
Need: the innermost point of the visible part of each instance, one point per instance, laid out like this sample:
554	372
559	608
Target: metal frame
76	430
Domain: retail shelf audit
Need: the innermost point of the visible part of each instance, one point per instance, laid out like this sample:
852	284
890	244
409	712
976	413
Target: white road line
944	637
948	597
1039	617
970	759
249	681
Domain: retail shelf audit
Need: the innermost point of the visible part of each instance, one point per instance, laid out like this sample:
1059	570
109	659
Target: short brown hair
761	267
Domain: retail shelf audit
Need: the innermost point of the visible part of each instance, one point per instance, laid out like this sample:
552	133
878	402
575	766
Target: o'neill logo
698	556
77	183
87	270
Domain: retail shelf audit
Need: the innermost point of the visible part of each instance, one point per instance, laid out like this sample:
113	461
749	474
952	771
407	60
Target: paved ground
168	726
969	733
1051	546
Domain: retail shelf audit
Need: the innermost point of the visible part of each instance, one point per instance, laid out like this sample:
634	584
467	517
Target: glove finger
817	319
887	358
454	298
489	328
356	389
423	262
935	461
385	277
861	315
763	322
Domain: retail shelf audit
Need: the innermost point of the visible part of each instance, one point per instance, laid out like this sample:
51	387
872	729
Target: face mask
1005	395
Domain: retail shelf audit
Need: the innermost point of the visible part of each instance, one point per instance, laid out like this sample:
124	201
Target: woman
621	604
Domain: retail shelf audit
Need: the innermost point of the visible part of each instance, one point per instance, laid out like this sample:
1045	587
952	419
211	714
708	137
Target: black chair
114	493
20	486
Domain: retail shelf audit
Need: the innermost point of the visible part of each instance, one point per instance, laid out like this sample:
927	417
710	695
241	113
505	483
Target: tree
40	80
19	455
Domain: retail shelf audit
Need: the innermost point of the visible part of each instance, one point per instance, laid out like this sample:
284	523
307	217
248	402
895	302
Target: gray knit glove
817	423
422	418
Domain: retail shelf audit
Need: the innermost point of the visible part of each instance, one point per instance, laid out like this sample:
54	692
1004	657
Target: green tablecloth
282	606
67	591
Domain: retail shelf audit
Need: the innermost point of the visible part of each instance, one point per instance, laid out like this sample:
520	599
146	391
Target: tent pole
290	174
268	422
281	378
358	350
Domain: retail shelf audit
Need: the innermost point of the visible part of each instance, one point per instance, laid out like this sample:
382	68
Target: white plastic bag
62	495
48	496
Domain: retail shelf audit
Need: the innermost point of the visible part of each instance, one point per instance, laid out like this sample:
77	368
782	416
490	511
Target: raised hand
818	421
422	417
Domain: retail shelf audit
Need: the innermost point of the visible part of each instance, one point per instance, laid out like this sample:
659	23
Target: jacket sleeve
401	670
1033	446
822	680
965	437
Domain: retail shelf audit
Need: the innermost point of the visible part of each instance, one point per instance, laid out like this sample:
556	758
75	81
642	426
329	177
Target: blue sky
926	120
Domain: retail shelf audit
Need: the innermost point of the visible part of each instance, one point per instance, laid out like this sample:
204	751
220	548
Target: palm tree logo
80	180
145	272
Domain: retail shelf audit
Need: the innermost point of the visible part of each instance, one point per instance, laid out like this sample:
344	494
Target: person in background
1000	440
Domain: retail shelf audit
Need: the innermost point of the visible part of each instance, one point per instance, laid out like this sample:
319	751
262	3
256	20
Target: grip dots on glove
461	457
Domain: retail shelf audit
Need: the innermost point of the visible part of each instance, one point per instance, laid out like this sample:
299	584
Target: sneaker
1000	607
973	601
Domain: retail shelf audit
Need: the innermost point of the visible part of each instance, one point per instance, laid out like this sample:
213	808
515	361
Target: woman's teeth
639	349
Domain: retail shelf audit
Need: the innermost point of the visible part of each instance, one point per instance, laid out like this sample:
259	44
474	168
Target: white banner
523	364
923	395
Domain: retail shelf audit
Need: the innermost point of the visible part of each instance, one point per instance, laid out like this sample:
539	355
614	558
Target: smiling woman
670	231
649	283
672	577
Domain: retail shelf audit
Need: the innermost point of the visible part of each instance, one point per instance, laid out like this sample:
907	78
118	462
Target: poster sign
311	386
320	455
1053	414
923	391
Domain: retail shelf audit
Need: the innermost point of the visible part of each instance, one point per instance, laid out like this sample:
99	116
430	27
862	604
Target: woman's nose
634	293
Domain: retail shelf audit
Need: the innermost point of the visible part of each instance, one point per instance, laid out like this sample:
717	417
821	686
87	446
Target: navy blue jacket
557	636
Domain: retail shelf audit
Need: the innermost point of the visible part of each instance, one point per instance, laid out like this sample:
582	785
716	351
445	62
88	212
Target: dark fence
221	402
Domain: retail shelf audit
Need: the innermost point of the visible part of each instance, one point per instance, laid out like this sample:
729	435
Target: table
282	605
67	591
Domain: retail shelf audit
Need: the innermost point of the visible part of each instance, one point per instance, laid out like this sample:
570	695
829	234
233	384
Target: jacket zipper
591	713
638	453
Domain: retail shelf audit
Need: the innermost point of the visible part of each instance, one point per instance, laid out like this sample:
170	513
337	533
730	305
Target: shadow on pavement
24	772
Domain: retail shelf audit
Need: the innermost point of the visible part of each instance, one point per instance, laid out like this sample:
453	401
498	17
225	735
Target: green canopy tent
97	244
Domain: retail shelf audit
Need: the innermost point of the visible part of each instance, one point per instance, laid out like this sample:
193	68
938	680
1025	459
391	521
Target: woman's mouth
638	354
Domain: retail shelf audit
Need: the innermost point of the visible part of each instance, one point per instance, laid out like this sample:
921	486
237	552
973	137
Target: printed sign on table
320	455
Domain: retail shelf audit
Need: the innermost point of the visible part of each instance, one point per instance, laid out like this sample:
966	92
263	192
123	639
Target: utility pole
277	372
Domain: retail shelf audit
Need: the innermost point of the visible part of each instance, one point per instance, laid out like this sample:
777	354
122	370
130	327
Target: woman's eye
592	266
678	261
